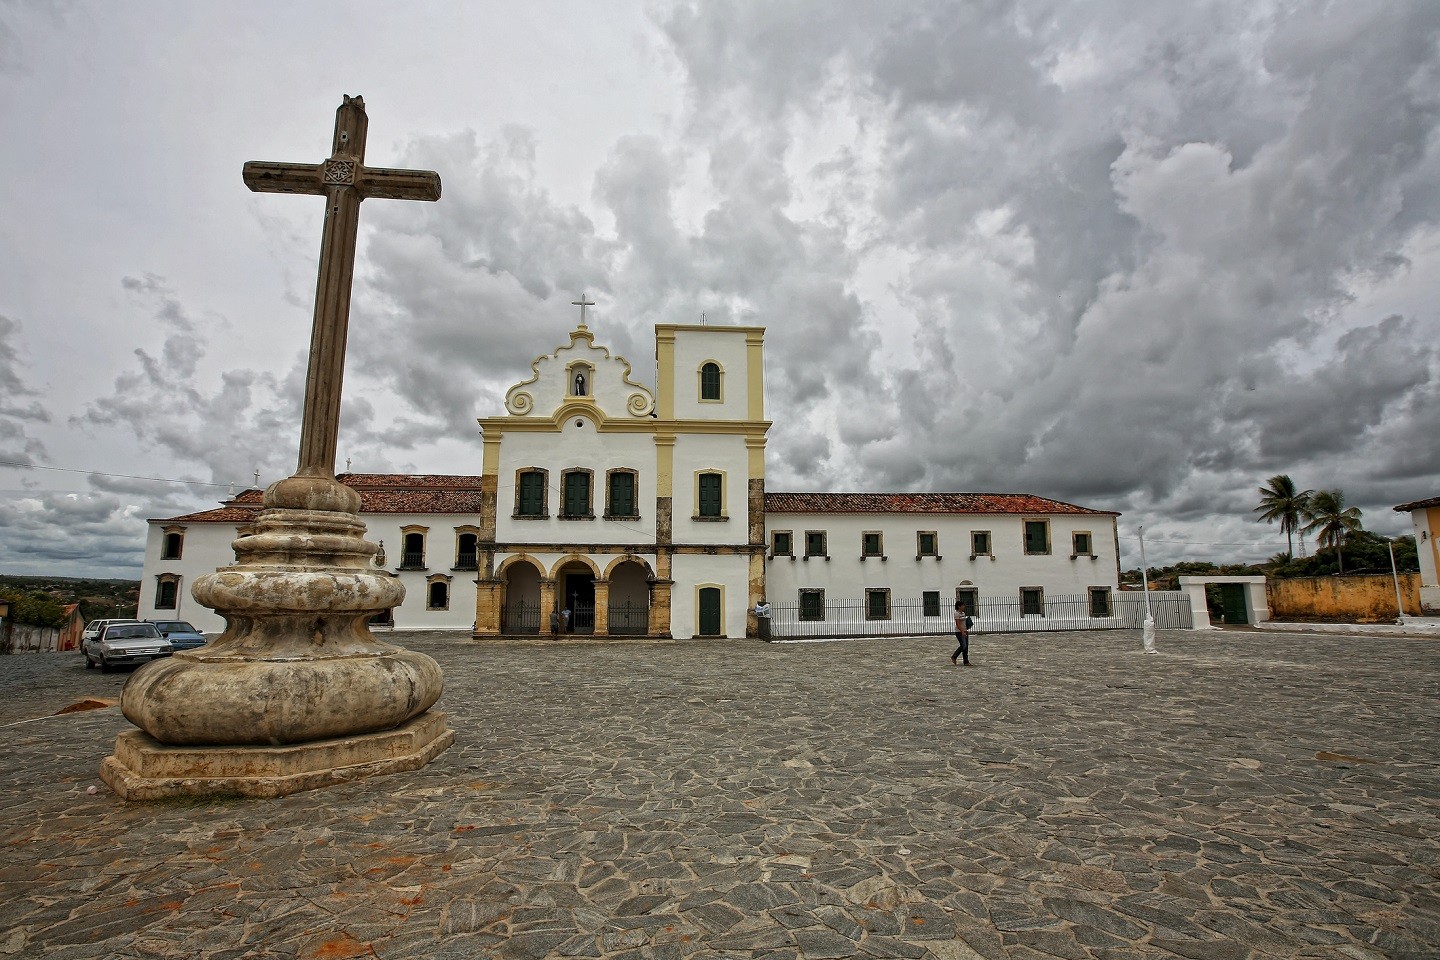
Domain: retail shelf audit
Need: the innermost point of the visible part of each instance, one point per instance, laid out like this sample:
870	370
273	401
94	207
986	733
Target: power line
116	476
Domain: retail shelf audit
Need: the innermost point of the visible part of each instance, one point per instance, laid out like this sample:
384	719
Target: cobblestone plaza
1237	795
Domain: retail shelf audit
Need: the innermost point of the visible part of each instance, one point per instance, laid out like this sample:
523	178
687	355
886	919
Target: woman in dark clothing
962	634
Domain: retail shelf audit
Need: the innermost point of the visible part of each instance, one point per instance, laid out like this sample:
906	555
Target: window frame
920	550
871	594
610	475
824	544
865	551
171	580
989	550
177	534
460	534
719	382
930	600
969	598
1025	536
1039	592
1102	592
789	550
817	596
723	496
544	482
1075	550
566	478
406	554
433	581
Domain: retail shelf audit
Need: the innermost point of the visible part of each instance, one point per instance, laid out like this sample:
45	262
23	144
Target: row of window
580	376
927	543
167	592
877	602
532	494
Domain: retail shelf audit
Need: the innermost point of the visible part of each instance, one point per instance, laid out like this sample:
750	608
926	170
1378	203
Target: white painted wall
440	549
576	446
705	452
846	576
206	548
725	346
691	572
1425	524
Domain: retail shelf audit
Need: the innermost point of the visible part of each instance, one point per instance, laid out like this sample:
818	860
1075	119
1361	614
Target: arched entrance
629	601
521	612
575	591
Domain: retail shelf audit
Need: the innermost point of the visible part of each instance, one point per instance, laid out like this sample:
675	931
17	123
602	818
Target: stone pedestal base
143	768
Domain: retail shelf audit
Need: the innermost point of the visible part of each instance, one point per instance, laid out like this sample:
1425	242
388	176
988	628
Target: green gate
1232	601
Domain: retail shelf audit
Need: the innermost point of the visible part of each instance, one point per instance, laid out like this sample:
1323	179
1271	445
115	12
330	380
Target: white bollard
1147	636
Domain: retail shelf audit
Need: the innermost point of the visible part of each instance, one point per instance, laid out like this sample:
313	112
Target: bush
34	609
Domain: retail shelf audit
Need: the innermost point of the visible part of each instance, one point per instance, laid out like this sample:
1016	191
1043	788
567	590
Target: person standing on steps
962	634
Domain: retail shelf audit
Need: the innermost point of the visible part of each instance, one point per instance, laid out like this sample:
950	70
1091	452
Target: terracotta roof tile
1418	505
379	493
922	503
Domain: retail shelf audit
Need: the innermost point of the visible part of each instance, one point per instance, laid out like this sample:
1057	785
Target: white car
120	643
93	628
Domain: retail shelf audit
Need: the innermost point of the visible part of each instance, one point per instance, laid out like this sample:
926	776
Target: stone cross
344	181
582	303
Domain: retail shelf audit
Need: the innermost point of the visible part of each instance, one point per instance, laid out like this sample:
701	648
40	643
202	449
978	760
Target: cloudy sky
1135	255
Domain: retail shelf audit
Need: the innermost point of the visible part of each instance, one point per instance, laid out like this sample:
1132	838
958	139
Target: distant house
1425	520
71	629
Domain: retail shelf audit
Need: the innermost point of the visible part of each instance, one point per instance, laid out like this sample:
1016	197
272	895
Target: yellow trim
490	459
570	558
755	446
709	586
724	493
669	328
755	362
665	372
664	465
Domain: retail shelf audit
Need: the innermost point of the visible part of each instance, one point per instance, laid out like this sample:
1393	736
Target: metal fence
629	619
908	617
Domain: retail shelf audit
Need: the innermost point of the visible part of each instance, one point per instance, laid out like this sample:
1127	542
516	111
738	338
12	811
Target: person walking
554	624
962	634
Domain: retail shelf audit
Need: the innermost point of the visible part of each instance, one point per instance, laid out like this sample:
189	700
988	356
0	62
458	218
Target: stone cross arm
265	176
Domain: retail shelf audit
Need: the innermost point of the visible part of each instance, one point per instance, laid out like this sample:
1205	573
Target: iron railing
520	617
629	619
907	617
412	560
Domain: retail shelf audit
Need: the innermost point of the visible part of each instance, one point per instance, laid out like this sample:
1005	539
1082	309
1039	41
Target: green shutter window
871	546
814	544
927	544
781	546
710	381
1099	602
1082	545
1032	602
622	494
1037	539
812	605
532	493
710	494
577	494
877	604
931	599
980	543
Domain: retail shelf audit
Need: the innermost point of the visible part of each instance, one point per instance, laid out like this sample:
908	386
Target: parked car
119	643
181	635
93	628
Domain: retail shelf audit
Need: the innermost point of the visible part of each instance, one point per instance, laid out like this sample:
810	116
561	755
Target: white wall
440	550
691	572
706	452
846	576
576	447
725	346
206	549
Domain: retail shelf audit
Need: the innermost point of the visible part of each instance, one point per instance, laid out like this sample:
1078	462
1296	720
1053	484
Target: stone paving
1238	795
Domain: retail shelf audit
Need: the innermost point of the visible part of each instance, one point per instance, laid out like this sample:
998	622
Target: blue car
181	635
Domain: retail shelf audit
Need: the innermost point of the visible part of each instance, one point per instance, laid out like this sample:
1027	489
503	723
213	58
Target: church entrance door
709	612
578	586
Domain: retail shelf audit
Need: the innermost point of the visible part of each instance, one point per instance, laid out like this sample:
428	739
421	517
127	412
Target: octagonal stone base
143	768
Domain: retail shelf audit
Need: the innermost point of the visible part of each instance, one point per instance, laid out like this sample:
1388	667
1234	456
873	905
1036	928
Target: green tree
1332	520
1279	500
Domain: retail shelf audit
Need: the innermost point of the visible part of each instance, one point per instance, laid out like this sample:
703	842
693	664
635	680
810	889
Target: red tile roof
921	503
1418	505
379	493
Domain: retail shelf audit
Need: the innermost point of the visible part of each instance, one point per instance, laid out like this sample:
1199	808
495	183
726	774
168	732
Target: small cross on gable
582	303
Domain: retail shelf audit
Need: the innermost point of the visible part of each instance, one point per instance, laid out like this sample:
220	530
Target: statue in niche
580	383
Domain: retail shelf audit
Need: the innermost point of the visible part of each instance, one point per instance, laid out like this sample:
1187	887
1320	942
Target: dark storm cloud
20	413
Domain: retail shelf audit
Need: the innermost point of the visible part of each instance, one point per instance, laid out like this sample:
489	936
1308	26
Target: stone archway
628	597
575	591
520	608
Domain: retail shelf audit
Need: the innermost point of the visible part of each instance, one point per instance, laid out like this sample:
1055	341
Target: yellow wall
1366	597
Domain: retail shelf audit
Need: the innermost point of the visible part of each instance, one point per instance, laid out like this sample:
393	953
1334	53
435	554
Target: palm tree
1335	522
1281	501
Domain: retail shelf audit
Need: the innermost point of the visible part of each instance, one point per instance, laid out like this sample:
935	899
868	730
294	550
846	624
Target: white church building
627	511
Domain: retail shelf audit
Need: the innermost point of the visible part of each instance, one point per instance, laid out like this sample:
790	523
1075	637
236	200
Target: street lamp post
1147	633
1395	575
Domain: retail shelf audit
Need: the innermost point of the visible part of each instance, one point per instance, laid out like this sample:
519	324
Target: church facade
604	507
